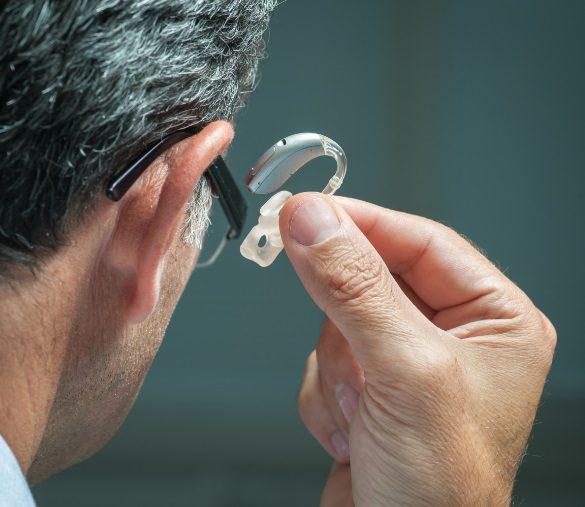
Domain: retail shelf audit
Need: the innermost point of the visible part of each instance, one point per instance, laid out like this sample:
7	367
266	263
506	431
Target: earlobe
146	293
165	199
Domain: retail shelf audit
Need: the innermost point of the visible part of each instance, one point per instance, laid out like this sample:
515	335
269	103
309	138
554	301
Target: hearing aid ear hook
263	243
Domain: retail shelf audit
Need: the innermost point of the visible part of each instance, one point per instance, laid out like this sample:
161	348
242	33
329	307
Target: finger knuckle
353	277
303	401
439	229
538	338
449	234
311	362
549	336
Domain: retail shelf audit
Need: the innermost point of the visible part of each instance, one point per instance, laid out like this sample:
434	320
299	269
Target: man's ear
152	214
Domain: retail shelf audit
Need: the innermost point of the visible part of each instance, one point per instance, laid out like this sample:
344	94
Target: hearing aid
263	243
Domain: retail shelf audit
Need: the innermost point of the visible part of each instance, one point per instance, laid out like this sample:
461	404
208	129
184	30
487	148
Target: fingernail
347	397
313	222
340	444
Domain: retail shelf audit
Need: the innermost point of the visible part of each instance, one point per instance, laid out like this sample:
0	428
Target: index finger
443	268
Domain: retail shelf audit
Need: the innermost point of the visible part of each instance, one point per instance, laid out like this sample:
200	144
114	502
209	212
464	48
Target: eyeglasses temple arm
230	197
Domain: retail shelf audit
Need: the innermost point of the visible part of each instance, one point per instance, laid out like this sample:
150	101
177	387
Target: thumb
350	282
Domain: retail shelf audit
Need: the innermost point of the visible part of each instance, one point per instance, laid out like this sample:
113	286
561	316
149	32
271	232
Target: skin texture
428	372
79	336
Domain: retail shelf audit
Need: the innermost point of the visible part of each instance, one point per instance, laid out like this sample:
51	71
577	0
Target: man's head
89	285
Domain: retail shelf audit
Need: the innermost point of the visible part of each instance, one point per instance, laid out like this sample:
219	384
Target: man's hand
428	372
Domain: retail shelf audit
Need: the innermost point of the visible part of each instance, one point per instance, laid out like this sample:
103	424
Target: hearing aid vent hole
262	241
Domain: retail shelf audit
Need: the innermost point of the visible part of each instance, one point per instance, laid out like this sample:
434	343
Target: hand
428	372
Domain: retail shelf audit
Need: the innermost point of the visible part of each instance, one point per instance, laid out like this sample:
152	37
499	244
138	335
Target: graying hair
198	209
86	85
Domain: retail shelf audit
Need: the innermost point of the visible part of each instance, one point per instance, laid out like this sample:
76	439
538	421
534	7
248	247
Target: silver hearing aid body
263	243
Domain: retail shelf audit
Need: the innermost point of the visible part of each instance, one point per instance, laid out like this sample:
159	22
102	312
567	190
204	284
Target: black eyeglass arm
230	197
122	181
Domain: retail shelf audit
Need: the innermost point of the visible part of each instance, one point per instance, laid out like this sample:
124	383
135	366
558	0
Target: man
427	375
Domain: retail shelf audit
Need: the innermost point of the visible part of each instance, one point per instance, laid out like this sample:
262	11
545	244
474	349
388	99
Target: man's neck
32	344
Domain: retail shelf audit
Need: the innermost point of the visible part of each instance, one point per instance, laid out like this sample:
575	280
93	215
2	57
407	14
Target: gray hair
86	85
198	209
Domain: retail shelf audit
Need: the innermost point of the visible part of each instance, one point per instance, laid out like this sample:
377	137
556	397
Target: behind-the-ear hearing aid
263	243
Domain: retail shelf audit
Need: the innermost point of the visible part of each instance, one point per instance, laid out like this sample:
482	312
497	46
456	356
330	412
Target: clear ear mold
263	243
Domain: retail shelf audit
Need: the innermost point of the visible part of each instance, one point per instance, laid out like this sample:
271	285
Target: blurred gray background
471	113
